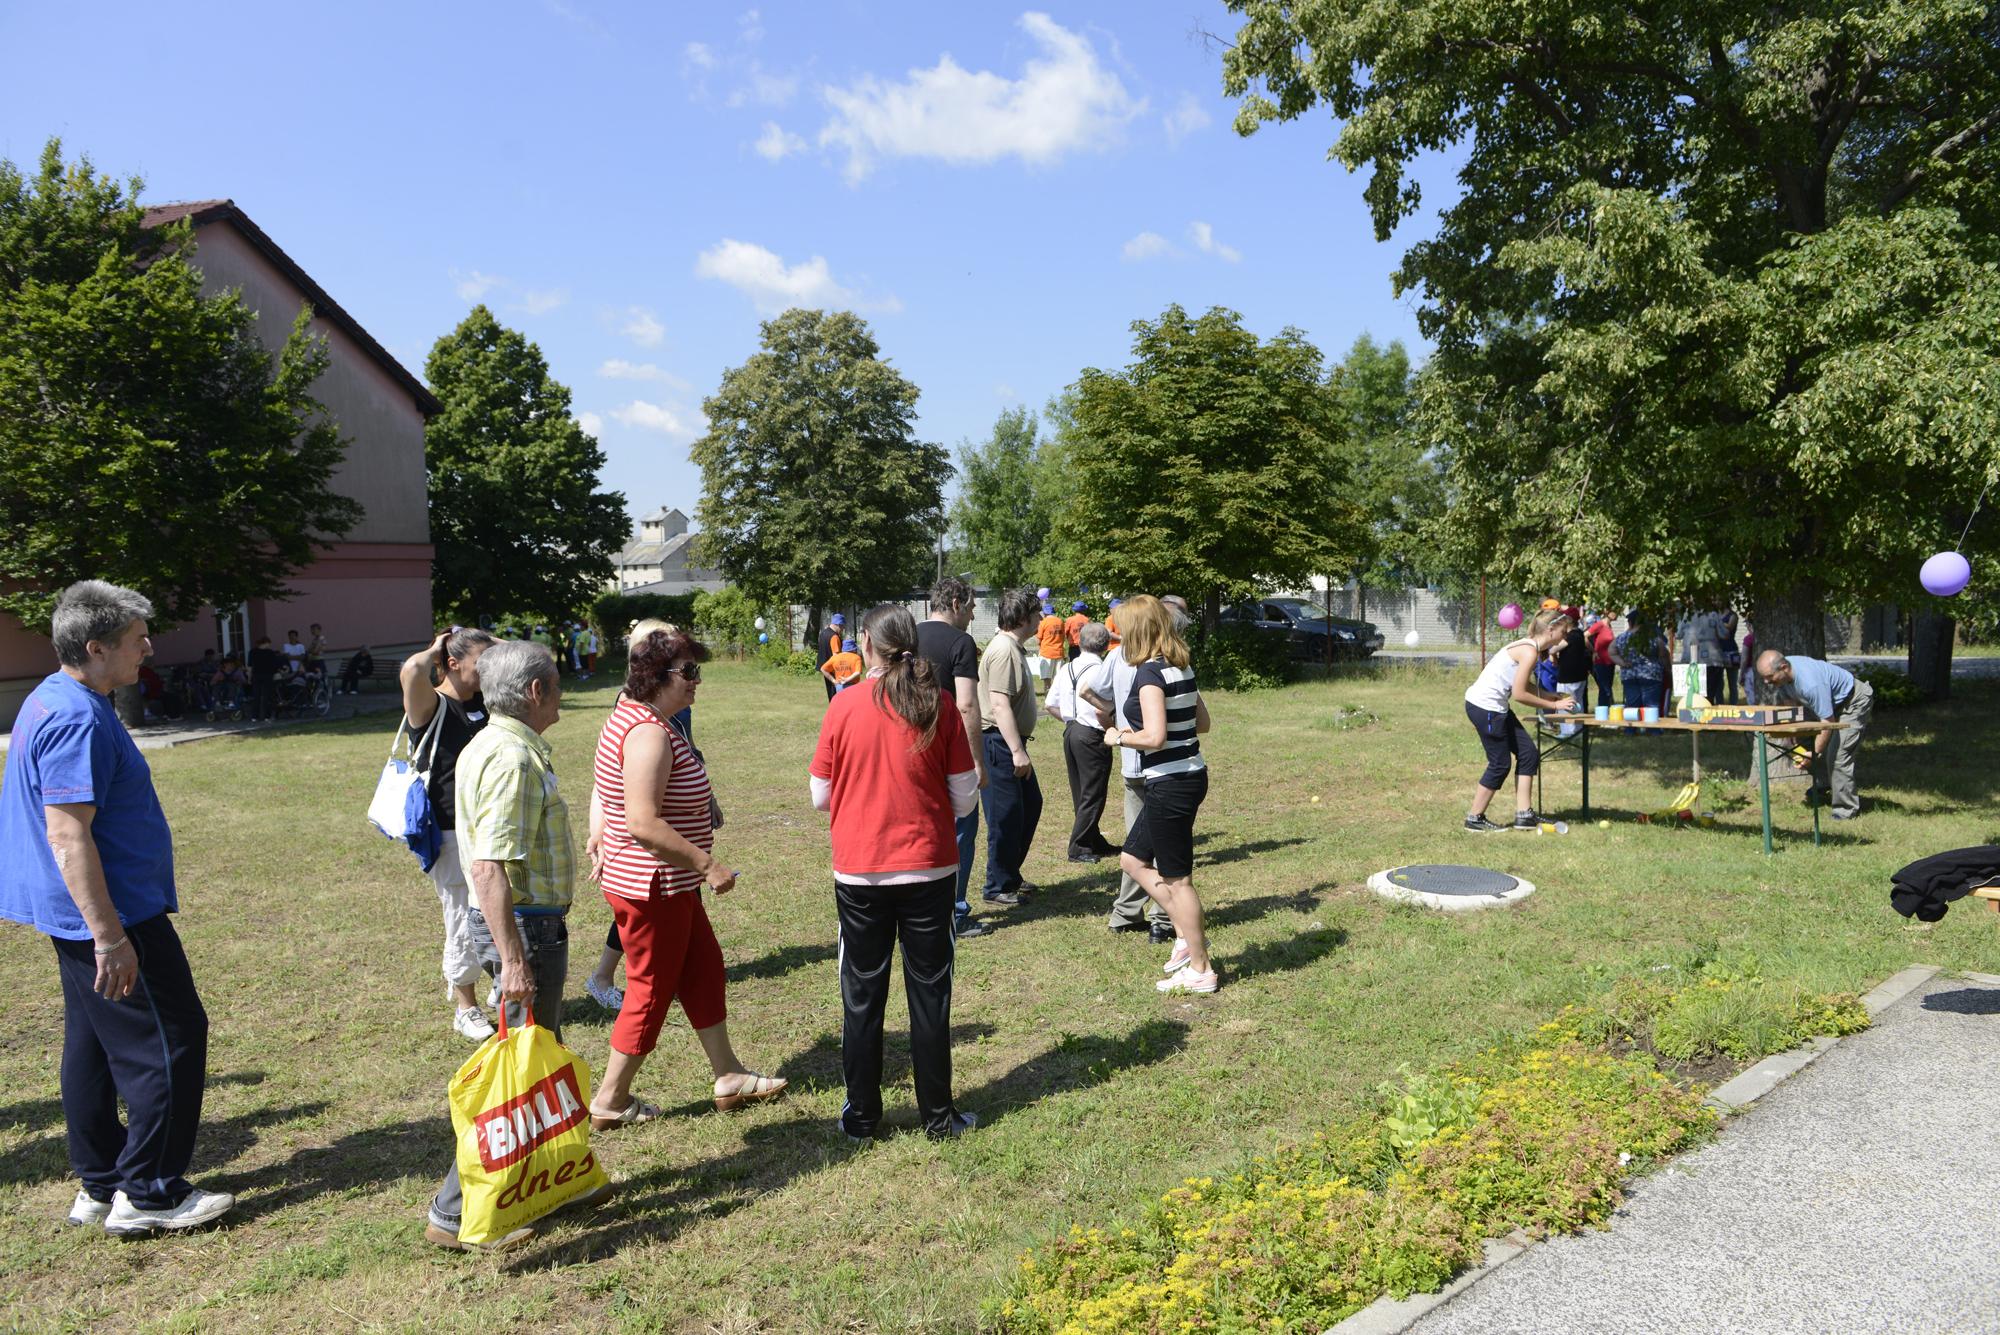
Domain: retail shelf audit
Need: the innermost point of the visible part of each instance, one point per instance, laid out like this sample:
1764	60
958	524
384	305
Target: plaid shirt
510	812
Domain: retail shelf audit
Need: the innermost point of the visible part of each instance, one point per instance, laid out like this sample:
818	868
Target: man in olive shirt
1013	795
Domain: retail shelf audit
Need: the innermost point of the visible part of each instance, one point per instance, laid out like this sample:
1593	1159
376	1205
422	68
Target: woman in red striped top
653	861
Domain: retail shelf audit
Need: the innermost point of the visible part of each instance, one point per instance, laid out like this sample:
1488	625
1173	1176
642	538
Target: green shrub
799	663
1238	657
614	613
1726	1008
1893	688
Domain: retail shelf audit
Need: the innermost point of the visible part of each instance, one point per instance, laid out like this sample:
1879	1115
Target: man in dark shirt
265	664
941	639
828	644
359	665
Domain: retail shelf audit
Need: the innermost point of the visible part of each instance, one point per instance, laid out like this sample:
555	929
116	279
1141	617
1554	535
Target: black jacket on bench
1924	889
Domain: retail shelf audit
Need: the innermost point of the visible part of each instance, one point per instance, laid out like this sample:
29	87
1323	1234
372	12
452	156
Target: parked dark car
1308	629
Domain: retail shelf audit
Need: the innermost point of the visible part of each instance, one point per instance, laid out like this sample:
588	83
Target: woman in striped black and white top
652	861
1164	717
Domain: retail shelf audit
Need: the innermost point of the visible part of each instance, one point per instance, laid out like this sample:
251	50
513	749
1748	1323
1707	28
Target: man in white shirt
1106	690
1084	752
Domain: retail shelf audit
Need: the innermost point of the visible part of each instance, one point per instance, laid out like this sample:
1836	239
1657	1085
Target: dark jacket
1924	889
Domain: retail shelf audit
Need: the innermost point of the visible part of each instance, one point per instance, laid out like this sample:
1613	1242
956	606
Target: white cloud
699	56
752	26
1063	102
1150	246
592	424
769	90
474	285
1185	119
1203	237
541	303
1004	391
776	143
622	370
772	286
665	420
642	328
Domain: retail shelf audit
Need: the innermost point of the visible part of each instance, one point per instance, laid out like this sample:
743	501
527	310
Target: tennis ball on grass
1604	825
1315	799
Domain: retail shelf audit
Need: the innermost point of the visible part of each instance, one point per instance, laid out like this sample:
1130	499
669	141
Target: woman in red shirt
652	860
895	781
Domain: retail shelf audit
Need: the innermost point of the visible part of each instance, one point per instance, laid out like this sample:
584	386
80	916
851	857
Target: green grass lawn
316	946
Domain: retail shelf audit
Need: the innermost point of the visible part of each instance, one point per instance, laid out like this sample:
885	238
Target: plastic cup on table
1603	713
1652	713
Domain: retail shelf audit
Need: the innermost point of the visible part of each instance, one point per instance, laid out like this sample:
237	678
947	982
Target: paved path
1960	667
156	736
1860	1196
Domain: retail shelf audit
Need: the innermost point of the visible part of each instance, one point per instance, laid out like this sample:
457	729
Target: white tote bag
390	809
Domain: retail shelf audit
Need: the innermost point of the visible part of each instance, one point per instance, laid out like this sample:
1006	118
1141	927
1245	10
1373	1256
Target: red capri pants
670	952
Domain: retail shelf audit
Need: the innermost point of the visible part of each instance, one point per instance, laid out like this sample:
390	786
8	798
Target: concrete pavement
1861	1195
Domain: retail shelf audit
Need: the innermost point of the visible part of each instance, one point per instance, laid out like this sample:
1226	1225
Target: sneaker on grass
1480	825
1178	960
86	1211
1527	820
604	994
473	1024
1187	980
201	1207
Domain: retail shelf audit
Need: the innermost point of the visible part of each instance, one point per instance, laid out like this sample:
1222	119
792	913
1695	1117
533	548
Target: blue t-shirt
1821	687
69	747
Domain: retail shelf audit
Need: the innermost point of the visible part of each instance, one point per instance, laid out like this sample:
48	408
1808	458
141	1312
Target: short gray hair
1095	638
508	669
90	610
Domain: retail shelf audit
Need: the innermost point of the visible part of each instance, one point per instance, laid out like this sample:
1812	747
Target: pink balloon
1510	616
1945	574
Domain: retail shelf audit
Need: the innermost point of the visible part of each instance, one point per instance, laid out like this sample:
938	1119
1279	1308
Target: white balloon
1412	640
760	623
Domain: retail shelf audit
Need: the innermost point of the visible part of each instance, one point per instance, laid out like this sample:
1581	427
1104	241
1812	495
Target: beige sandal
753	1088
635	1113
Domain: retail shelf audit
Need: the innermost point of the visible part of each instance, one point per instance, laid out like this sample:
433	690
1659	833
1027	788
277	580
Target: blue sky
1000	190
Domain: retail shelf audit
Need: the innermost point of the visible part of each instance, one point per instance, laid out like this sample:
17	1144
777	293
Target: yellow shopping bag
521	1108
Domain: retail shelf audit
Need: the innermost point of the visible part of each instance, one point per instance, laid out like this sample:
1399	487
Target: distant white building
659	558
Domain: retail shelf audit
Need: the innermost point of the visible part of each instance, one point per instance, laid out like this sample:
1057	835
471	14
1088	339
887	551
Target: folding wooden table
1551	723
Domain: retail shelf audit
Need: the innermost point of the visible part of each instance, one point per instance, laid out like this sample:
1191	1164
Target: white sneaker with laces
200	1207
607	996
473	1024
1178	960
86	1211
1187	980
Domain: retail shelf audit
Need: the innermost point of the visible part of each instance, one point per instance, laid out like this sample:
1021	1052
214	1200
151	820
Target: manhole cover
1449	887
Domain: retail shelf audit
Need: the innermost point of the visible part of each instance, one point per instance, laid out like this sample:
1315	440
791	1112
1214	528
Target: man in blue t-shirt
86	858
1833	694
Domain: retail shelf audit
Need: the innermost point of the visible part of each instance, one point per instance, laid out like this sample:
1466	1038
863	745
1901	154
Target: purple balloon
1945	574
1510	616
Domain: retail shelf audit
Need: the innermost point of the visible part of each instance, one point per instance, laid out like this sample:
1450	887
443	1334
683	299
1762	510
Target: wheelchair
307	696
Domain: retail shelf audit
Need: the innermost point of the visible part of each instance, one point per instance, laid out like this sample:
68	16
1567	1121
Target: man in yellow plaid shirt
513	840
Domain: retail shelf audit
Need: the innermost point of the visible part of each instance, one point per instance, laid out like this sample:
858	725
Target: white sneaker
1178	960
611	998
1187	980
472	1023
87	1211
200	1207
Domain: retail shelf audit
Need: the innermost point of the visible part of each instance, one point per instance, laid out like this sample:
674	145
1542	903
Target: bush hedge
1239	657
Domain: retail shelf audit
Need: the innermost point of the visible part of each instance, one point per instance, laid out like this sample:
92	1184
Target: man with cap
1073	625
1829	693
1052	637
828	644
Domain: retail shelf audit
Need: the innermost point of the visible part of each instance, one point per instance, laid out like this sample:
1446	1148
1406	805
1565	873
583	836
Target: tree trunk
1931	637
1792	621
1360	597
131	706
1211	612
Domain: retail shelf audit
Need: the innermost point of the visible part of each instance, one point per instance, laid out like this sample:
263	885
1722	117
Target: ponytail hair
908	686
1547	618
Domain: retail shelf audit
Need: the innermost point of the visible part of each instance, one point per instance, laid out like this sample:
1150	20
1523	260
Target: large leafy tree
1005	504
516	516
1394	475
147	436
1715	312
1210	466
815	488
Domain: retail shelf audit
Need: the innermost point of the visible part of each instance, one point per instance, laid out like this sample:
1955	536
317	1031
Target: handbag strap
426	751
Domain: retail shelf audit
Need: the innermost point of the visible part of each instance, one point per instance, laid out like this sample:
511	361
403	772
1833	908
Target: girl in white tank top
1509	676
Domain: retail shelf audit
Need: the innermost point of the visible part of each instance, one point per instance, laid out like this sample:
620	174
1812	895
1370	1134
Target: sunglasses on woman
691	671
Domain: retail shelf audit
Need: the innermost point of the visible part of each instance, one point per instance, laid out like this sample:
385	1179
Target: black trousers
872	919
1505	740
151	1050
1089	763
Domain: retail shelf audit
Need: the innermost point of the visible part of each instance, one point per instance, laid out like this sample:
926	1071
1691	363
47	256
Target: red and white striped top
629	870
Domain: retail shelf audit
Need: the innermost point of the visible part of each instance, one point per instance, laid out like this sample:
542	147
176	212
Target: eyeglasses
691	671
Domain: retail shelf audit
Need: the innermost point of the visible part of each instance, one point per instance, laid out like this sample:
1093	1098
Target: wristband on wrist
114	947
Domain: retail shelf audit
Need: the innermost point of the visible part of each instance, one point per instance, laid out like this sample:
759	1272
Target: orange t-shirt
1111	624
1051	632
844	667
1074	627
